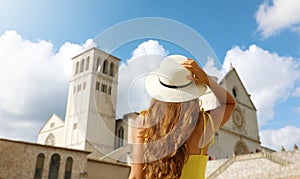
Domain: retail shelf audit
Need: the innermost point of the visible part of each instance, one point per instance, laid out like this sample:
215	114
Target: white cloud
34	80
268	77
211	69
150	47
132	96
286	136
281	14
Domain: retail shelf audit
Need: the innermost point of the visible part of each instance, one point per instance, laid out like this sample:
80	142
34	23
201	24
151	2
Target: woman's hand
198	74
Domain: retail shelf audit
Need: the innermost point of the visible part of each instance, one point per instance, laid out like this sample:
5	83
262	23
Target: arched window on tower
98	64
87	64
111	69
54	167
235	92
39	166
120	137
81	65
50	140
77	68
105	67
68	169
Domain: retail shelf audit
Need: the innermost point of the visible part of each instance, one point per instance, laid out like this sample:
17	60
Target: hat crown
172	72
170	83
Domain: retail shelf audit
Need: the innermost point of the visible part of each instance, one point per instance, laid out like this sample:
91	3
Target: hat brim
181	94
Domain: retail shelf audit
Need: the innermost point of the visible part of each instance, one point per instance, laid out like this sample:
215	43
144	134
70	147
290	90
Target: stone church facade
240	134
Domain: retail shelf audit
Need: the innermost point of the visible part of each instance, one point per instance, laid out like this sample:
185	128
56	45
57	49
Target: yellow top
195	167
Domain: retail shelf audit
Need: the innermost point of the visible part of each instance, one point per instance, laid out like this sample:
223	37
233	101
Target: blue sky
260	38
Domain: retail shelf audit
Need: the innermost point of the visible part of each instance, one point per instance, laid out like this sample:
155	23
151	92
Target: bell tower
91	107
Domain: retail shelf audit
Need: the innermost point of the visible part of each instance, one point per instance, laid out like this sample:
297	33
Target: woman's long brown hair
168	126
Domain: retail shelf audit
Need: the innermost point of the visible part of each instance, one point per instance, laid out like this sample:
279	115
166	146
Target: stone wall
99	169
18	159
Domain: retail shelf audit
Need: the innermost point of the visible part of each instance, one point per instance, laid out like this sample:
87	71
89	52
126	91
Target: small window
120	137
97	85
103	88
81	65
52	124
74	126
234	92
54	167
68	168
39	166
111	70
109	90
84	85
79	88
105	67
87	63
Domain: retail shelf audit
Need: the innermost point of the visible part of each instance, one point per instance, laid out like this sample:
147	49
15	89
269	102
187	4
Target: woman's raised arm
220	114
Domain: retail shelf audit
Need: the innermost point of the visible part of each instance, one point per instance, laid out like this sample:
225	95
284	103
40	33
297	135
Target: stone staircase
258	165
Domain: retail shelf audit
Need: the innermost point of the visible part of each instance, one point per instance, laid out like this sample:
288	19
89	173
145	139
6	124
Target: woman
172	137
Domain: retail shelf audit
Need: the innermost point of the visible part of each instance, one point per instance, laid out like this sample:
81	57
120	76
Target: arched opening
235	92
50	140
68	168
120	137
241	148
77	68
105	67
87	64
111	69
81	65
98	64
54	167
39	166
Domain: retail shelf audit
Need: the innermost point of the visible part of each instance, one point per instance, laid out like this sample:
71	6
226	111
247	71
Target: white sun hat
170	83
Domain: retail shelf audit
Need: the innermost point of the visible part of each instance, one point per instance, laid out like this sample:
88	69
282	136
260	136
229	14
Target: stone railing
233	159
275	159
